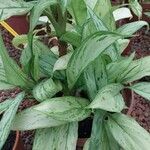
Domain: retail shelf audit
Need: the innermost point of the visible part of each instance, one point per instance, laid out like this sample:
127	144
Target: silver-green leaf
7	119
65	108
57	138
142	88
109	99
46	89
91	48
128	133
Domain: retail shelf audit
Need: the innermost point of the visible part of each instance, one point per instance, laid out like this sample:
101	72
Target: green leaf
72	37
91	48
13	73
100	137
103	9
47	60
147	14
65	108
116	69
95	76
46	89
136	7
37	10
64	4
122	45
78	10
4	105
130	28
128	133
62	62
136	70
7	119
10	8
142	88
57	138
109	94
6	86
31	119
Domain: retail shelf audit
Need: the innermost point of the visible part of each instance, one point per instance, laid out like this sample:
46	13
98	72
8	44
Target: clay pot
18	145
19	23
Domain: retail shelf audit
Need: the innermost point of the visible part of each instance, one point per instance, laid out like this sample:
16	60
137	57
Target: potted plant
83	78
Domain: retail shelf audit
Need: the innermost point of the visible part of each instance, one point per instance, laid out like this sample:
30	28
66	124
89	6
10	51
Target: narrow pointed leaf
37	10
142	88
136	70
130	28
7	119
13	73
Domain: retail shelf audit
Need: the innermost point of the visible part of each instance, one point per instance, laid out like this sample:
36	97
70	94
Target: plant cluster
87	60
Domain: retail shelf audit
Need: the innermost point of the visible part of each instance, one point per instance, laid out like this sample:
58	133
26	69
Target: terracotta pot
19	23
18	145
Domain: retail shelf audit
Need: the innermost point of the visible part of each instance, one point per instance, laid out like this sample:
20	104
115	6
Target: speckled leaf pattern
65	108
57	138
91	48
46	89
109	94
142	88
37	10
30	119
13	73
130	28
7	119
128	133
10	8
